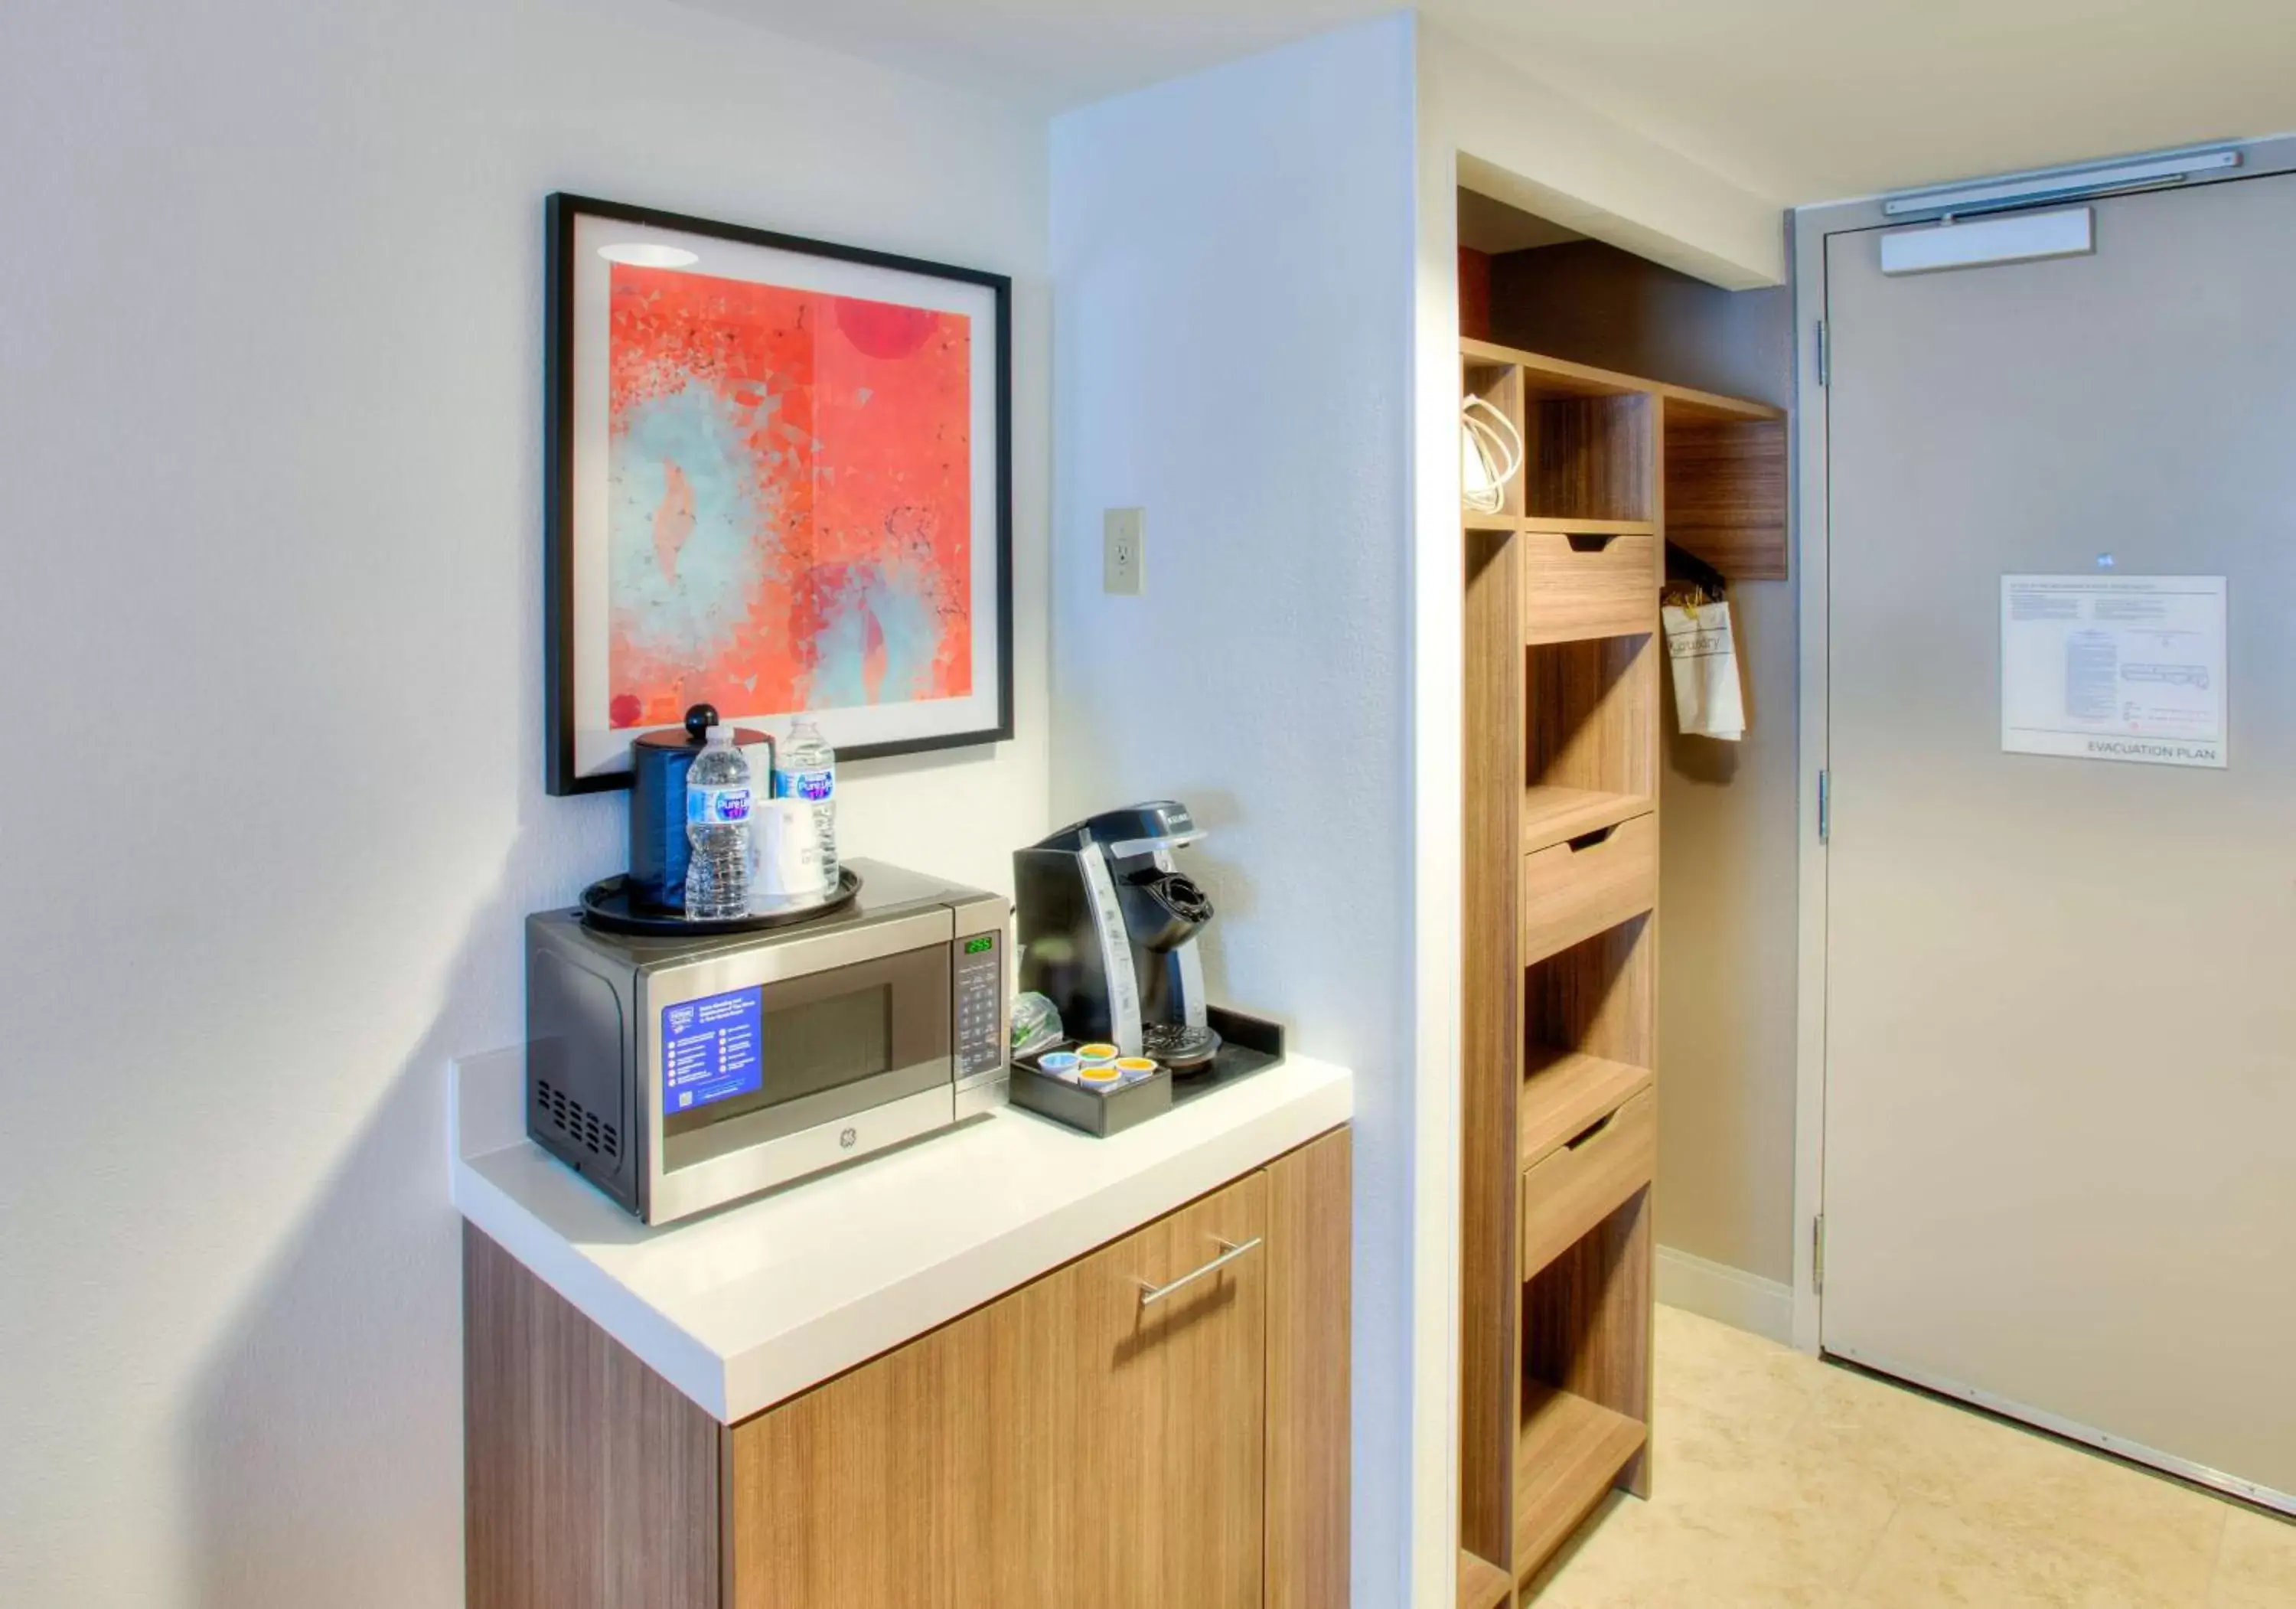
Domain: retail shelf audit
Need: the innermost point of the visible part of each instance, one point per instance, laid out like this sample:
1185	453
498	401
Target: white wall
270	329
1438	588
1532	146
1233	275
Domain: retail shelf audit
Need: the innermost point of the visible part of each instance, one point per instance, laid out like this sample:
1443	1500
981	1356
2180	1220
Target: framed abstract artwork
778	479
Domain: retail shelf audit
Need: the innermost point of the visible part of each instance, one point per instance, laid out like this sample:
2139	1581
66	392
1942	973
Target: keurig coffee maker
1108	930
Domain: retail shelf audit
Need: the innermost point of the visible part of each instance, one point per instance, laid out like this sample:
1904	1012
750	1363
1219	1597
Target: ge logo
845	1139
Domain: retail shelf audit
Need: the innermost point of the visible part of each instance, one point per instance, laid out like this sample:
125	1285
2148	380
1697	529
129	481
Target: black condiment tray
1247	1044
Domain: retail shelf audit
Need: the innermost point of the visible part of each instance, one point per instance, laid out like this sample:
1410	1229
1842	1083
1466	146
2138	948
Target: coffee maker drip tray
1243	1046
1185	1050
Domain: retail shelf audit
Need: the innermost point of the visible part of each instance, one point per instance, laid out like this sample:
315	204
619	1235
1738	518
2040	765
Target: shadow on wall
324	1427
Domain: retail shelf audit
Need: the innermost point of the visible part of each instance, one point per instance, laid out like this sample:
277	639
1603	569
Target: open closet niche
1598	464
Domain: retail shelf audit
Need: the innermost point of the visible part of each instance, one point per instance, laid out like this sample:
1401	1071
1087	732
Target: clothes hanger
1691	580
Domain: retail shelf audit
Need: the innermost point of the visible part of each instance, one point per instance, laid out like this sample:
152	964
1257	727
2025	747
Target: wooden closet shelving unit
1560	946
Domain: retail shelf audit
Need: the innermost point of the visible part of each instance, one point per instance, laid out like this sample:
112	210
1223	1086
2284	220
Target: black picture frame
564	778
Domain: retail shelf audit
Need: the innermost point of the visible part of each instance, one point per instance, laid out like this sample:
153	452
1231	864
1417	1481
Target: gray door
2060	1081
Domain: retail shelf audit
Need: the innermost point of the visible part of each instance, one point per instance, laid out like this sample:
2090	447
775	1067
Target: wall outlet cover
1123	567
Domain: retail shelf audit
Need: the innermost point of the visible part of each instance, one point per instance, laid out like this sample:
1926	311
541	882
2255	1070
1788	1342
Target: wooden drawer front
1574	890
1600	588
1585	1182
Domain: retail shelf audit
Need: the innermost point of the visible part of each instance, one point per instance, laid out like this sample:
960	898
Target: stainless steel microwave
679	1074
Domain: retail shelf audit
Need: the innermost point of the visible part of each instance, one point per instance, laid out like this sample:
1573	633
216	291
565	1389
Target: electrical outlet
1123	563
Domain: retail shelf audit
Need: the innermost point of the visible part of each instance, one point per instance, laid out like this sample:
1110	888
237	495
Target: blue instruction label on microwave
709	1049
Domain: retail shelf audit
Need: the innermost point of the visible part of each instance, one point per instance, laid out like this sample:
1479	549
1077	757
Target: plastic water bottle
805	768
717	825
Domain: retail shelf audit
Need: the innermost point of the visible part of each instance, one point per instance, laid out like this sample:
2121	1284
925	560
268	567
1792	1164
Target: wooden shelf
1591	435
1560	524
1591	714
1684	405
1559	838
1564	1091
1545	376
1553	815
1548	377
1501	386
1570	1453
1483	1585
1725	493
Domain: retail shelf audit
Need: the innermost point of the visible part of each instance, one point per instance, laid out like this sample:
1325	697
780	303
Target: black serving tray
611	906
1093	1111
1249	1045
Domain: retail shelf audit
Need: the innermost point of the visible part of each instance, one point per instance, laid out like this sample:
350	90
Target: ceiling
1795	100
1489	225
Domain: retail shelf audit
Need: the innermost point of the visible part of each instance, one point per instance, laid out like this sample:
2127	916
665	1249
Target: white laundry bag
1703	651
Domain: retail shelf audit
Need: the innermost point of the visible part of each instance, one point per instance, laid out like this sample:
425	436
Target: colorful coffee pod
1134	1069
1059	1065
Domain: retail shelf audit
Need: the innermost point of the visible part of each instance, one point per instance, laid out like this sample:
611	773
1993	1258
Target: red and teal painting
780	483
789	521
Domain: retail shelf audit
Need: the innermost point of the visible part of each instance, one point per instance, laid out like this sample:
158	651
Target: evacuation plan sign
2102	667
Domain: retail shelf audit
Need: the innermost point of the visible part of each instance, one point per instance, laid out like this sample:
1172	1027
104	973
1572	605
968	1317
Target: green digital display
981	946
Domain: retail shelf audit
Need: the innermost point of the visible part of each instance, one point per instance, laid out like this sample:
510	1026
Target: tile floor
1785	1483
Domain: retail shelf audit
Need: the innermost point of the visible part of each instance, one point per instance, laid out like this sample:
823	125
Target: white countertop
750	1306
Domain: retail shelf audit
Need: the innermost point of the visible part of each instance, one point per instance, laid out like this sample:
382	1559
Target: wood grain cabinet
1162	1421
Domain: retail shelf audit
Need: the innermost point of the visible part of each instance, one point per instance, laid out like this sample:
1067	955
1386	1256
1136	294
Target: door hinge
1817	1254
1824	807
1822	366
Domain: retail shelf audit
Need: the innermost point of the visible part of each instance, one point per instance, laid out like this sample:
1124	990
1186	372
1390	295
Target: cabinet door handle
1150	1294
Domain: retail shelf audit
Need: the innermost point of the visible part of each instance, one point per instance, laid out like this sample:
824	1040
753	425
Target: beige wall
1726	944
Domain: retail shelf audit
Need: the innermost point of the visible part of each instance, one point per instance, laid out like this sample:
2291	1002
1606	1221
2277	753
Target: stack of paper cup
789	877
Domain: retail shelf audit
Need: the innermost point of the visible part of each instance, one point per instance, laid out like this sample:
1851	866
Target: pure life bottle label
801	837
717	804
711	807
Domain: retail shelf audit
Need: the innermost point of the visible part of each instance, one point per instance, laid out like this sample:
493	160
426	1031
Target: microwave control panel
980	1004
